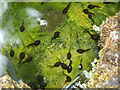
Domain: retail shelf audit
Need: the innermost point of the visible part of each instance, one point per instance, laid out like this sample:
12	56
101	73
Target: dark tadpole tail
58	59
64	73
87	49
81	61
29	59
20	61
52	39
50	66
22	23
69	4
89	33
92	21
70	62
30	44
97	6
85	31
92	14
24	62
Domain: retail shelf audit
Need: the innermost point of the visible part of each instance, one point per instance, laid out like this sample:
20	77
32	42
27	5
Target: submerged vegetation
48	45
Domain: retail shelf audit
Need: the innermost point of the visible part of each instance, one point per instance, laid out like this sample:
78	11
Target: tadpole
69	55
22	56
29	59
36	43
30	44
80	66
68	78
22	28
69	69
108	2
82	51
57	64
92	6
94	36
11	52
56	35
90	16
65	10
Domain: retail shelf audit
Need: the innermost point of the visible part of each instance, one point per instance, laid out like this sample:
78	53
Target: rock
105	75
7	82
110	39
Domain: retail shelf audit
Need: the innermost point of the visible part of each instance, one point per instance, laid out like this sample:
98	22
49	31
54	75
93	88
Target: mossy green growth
72	37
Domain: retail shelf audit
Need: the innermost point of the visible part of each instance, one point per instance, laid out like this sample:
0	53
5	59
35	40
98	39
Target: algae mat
33	47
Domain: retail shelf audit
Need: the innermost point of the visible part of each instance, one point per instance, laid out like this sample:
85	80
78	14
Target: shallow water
72	37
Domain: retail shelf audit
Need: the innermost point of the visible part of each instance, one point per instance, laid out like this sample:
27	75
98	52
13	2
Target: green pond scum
24	26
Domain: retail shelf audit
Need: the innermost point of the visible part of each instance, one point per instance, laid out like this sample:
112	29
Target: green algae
72	37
